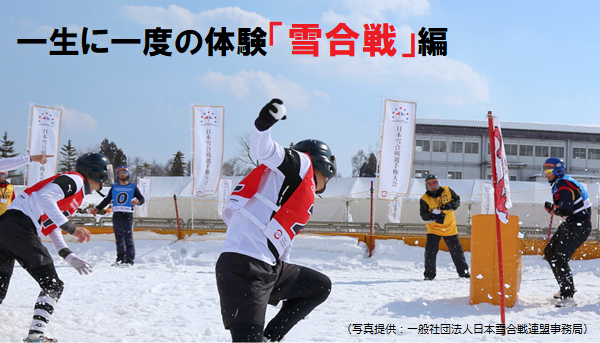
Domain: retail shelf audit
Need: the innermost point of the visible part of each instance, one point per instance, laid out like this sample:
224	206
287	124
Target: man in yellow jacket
7	192
437	208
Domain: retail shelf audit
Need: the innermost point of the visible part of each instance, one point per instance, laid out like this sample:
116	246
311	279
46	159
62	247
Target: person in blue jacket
124	195
570	201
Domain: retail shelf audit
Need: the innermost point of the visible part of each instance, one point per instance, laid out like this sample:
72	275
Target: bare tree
357	162
244	150
234	166
91	148
139	168
157	169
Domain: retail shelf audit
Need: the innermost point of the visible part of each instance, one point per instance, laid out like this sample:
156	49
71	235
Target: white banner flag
208	148
44	137
224	192
502	189
397	149
395	210
144	185
487	198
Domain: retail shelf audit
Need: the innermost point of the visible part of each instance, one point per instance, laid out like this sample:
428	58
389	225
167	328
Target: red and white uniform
50	203
286	171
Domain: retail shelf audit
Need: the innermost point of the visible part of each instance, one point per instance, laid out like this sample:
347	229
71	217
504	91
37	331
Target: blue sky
522	60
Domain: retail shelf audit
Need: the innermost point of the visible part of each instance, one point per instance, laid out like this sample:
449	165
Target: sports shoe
38	338
558	294
565	302
427	278
466	276
116	264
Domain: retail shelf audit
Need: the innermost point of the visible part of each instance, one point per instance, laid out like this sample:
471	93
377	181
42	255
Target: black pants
456	252
19	242
246	285
123	228
563	244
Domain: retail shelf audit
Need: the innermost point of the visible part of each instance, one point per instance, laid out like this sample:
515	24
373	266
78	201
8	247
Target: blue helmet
555	166
124	168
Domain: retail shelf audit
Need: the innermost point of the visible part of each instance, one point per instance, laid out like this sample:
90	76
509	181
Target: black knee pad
53	287
48	280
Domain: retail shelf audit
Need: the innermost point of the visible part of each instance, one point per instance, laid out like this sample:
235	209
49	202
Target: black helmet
93	165
320	155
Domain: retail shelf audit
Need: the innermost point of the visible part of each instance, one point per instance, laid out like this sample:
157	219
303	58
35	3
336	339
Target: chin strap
98	191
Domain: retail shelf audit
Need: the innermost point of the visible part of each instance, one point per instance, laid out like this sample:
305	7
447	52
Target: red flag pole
179	236
498	231
371	247
549	228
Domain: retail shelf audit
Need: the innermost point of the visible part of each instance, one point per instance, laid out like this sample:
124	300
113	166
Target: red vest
289	219
68	205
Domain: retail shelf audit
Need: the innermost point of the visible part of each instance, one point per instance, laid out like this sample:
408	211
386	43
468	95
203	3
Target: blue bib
121	197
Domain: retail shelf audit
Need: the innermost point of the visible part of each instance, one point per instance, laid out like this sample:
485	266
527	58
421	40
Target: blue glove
265	118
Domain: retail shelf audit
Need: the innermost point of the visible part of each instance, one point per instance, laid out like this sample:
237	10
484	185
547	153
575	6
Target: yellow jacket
6	197
446	201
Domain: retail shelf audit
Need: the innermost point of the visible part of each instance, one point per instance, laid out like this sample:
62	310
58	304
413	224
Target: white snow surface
170	295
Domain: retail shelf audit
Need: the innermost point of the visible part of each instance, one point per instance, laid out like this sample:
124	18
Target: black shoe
559	295
427	278
466	276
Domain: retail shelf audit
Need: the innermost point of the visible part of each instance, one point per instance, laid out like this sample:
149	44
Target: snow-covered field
170	295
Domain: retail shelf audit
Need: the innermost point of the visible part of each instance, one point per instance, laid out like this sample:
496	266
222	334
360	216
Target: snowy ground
170	295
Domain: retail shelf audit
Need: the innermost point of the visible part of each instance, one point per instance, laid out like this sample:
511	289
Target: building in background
460	149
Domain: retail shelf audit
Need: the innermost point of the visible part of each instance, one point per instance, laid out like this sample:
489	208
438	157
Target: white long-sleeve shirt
13	163
286	170
44	201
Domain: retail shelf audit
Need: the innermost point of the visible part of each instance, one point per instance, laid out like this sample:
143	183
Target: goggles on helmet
432	184
548	168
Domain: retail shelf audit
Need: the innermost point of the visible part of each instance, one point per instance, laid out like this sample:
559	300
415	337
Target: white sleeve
285	257
58	240
13	163
265	150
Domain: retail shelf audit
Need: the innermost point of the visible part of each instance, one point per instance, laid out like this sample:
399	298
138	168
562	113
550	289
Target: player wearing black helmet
41	210
264	213
321	158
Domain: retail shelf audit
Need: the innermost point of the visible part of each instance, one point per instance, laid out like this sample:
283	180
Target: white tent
348	199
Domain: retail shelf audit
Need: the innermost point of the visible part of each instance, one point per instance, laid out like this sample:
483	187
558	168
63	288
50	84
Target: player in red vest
264	213
41	210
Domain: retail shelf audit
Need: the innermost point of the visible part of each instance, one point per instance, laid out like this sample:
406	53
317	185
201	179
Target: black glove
548	206
265	119
448	206
439	218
